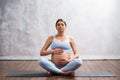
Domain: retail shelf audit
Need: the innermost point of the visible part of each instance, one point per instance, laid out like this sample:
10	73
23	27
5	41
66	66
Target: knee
41	61
78	62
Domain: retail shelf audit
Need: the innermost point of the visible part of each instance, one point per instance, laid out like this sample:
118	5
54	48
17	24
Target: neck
61	34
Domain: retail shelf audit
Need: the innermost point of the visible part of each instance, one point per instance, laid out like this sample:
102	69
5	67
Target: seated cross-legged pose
61	61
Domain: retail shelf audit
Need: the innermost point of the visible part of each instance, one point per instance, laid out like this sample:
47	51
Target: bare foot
50	73
72	73
67	73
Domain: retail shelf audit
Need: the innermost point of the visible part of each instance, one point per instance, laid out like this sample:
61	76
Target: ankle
50	73
61	72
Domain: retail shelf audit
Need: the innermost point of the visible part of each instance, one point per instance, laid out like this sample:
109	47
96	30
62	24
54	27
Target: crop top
65	45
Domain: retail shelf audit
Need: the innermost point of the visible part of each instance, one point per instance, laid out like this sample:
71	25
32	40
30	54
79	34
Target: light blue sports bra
65	45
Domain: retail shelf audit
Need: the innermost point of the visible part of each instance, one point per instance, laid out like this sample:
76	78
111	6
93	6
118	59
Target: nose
60	26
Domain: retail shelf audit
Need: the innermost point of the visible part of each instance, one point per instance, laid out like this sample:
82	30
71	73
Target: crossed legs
51	67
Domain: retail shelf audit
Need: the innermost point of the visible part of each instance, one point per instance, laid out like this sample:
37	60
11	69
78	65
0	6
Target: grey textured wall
94	25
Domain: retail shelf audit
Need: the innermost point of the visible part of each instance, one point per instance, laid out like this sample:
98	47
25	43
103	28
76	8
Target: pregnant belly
61	59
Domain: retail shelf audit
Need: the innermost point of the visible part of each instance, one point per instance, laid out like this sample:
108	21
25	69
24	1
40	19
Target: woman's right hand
57	51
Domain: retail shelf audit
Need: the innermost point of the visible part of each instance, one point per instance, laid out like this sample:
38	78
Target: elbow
77	56
41	53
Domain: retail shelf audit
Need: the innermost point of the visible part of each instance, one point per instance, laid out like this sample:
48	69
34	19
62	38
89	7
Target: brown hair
62	21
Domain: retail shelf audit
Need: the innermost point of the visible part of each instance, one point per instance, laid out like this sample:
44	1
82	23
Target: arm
44	50
76	55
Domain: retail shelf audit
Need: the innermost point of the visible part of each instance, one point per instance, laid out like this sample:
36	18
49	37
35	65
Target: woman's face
60	26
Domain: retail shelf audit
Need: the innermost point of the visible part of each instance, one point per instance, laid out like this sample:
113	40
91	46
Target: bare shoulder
50	38
71	39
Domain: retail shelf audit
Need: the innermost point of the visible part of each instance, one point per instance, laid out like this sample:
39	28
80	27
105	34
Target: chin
61	30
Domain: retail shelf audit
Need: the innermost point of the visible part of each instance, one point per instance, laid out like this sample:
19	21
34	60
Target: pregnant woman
61	61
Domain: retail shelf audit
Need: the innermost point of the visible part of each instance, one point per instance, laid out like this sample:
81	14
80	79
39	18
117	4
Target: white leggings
50	66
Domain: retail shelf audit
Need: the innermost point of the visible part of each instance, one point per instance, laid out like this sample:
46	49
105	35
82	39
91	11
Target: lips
61	28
